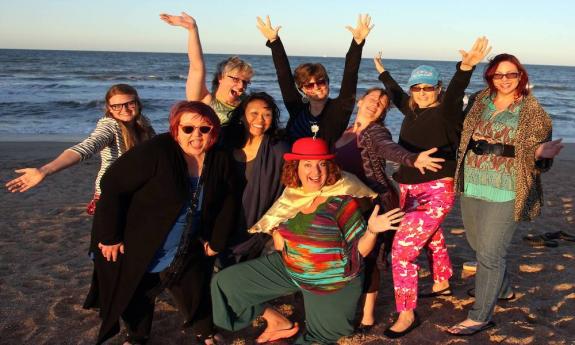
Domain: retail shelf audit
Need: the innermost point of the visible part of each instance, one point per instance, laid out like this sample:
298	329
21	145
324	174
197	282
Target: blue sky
538	32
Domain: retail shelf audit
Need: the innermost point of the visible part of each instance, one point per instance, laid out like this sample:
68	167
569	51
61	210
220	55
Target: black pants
191	294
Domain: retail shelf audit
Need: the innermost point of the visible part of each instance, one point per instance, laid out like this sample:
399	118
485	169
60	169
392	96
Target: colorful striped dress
320	252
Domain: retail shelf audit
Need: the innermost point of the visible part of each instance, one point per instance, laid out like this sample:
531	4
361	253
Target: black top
142	195
423	129
335	116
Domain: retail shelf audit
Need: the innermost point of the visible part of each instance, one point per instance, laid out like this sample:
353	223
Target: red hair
290	178
202	110
522	87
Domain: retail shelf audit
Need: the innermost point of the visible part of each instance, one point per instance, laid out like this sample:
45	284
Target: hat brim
295	156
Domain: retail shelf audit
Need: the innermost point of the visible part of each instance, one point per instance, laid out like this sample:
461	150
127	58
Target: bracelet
372	232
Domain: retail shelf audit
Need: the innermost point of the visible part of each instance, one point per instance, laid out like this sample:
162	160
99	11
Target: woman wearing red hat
321	238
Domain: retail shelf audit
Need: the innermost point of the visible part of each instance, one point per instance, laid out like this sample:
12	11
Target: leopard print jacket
533	129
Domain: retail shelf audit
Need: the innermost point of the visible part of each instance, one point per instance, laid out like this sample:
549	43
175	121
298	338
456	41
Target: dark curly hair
235	133
291	179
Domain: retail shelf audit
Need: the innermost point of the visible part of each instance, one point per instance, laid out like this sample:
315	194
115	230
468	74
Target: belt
482	147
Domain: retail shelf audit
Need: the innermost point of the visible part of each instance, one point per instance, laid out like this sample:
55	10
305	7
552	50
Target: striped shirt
106	139
320	252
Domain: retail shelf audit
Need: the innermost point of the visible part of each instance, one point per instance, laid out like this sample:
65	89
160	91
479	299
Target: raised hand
383	222
425	161
30	177
267	30
378	63
363	28
184	20
111	252
479	50
549	149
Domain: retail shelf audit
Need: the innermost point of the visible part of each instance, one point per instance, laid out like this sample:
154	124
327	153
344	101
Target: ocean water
60	94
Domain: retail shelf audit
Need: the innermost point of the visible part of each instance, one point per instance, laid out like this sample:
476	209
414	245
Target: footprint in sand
531	268
63	308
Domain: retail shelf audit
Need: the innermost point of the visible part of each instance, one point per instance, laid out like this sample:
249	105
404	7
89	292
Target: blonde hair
142	129
232	63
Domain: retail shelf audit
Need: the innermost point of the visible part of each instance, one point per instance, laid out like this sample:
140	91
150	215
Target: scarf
294	199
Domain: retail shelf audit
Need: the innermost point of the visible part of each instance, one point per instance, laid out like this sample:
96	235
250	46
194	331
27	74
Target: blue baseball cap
423	75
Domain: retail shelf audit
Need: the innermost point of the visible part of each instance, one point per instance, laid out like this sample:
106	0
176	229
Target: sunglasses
318	83
190	129
129	105
415	88
237	80
510	75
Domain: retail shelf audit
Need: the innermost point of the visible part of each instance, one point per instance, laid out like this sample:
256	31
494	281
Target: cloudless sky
538	32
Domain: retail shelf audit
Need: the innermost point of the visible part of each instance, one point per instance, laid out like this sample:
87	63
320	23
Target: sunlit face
232	85
195	142
505	85
316	89
123	107
257	117
425	98
312	174
372	105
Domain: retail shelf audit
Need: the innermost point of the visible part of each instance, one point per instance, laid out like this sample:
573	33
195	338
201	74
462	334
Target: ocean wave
135	77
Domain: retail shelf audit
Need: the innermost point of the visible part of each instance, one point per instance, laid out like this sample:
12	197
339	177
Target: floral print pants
426	205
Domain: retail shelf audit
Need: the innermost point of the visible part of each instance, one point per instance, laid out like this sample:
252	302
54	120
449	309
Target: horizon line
251	54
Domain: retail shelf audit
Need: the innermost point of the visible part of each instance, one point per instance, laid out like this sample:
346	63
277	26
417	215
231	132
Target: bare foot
405	319
276	322
443	285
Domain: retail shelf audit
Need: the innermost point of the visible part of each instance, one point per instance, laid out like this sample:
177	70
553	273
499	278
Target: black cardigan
142	195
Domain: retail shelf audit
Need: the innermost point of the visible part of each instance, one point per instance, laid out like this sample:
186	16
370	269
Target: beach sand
45	272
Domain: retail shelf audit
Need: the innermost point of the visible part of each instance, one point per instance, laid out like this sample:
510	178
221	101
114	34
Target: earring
305	99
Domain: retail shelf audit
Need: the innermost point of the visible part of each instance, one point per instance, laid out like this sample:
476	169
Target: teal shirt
490	177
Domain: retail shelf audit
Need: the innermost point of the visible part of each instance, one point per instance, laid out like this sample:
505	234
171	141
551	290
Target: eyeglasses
313	85
416	88
237	80
129	105
190	129
510	75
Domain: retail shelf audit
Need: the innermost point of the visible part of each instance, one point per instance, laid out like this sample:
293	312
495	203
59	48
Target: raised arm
290	94
353	58
453	99
196	89
398	97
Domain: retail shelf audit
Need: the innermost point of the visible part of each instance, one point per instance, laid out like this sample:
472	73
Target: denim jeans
489	227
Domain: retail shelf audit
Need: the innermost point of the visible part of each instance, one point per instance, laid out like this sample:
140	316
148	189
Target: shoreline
10	141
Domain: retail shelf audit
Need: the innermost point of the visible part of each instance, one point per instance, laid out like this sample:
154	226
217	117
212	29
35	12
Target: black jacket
142	195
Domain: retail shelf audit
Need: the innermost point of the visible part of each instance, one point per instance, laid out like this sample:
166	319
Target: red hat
308	148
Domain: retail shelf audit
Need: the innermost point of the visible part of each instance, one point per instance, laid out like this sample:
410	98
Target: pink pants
426	206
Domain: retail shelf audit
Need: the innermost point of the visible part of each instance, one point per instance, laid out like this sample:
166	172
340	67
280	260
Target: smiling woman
254	136
306	92
320	237
122	127
166	210
231	78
